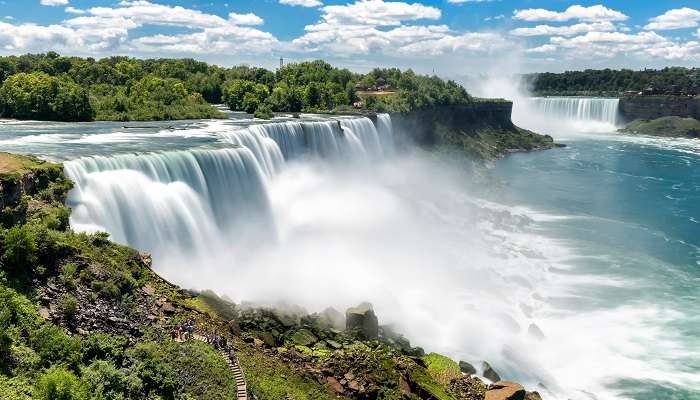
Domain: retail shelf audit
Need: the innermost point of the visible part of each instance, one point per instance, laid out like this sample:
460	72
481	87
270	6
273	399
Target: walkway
227	352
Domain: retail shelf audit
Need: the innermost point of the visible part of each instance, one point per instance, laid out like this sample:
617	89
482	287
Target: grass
270	379
665	126
442	368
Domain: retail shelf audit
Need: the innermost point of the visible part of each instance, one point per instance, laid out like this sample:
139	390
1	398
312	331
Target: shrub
264	112
19	250
58	383
68	306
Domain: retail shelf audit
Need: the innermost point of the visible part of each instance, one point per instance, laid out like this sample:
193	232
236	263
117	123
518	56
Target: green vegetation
40	360
665	126
608	82
441	368
51	87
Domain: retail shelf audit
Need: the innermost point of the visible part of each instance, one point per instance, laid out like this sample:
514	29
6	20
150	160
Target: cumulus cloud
53	2
675	19
385	28
568	30
302	3
606	45
245	19
575	12
103	29
73	10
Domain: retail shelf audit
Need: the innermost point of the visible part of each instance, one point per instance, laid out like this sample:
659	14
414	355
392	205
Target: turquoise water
628	210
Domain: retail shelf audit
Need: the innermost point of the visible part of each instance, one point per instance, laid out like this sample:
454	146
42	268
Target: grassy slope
665	126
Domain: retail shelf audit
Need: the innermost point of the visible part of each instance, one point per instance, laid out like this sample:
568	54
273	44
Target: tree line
672	80
53	87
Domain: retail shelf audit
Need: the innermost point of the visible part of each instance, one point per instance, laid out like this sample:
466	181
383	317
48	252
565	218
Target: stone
532	396
504	390
45	313
148	289
535	331
467	368
167	308
146	259
333	344
405	387
490	373
362	320
335	385
354	385
303	337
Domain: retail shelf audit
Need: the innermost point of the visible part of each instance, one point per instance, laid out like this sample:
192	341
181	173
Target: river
574	271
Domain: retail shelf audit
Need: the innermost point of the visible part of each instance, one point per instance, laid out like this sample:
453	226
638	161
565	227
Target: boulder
303	337
335	385
467	368
148	289
504	390
362	321
532	396
490	373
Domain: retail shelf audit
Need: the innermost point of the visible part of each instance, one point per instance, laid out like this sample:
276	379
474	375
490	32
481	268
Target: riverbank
85	311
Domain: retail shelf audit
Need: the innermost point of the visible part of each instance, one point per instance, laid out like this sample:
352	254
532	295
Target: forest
53	87
609	82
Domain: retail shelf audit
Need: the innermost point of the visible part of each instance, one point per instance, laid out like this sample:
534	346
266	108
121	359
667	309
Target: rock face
653	107
362	321
490	373
467	368
504	390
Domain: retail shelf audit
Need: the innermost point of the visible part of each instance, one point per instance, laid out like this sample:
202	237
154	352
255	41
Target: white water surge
307	213
578	113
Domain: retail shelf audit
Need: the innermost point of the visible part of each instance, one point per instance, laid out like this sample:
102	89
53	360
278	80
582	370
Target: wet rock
467	368
303	337
535	331
490	373
361	320
532	396
333	344
335	385
146	259
504	390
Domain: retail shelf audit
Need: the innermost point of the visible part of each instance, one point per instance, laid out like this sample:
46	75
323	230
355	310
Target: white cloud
607	45
53	2
545	48
384	28
73	10
378	13
302	3
675	19
568	30
576	12
107	29
245	19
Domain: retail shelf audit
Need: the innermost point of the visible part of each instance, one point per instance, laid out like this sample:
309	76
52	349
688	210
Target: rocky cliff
483	129
653	107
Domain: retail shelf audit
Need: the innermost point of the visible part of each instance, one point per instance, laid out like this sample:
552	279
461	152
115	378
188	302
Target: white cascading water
583	113
185	201
307	213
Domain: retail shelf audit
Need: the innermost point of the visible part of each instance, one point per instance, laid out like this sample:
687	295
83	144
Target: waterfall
579	109
190	200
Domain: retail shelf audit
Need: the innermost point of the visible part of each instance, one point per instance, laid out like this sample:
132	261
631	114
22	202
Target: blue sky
451	37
